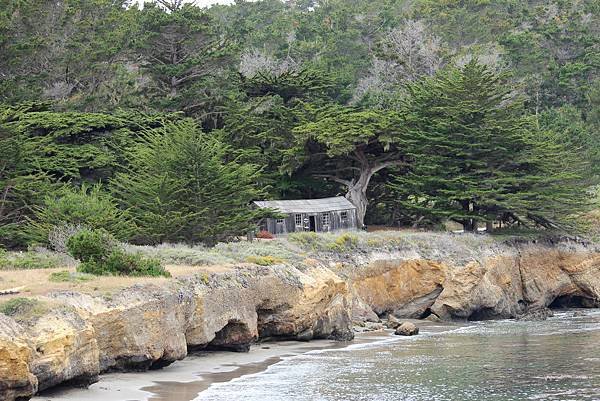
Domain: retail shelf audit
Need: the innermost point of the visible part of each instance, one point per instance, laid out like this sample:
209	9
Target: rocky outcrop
528	278
16	355
148	326
404	288
407	329
495	281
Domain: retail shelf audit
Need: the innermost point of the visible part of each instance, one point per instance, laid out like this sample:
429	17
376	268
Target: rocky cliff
74	337
484	281
78	336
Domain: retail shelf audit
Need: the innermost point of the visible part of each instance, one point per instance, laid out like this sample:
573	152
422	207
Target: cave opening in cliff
483	314
234	336
573	301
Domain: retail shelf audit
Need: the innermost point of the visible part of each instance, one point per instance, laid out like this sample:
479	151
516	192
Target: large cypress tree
479	157
180	186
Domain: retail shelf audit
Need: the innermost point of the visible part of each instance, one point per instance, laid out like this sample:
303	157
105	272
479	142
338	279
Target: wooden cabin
318	215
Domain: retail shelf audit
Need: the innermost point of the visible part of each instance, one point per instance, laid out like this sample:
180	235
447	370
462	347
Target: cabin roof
308	205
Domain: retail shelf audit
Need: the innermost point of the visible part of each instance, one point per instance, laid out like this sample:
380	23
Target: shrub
86	207
60	235
263	234
91	245
264	260
100	254
306	239
345	241
23	307
120	263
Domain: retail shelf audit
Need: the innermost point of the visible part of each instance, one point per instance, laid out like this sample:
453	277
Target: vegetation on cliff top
161	124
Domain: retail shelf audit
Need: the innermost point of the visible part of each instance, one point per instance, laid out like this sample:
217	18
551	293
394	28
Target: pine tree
479	157
179	187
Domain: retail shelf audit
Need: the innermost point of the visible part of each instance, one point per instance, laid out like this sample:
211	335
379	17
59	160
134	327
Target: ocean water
557	359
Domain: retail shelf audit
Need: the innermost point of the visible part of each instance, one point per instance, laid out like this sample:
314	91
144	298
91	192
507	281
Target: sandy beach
184	380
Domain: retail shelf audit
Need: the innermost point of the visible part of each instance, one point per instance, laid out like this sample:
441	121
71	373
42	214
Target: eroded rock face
16	353
529	279
403	288
499	281
65	349
147	326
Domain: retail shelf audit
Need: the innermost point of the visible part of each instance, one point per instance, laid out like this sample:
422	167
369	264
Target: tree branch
335	179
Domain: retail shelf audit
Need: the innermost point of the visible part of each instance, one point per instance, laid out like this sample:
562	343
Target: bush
71	208
344	242
306	239
91	245
120	263
23	307
263	234
60	235
264	260
100	254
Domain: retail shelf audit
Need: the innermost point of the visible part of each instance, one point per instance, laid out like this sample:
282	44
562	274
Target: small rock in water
579	313
407	329
392	322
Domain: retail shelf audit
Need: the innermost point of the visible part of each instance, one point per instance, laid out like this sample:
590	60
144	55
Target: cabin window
344	216
298	219
325	219
279	221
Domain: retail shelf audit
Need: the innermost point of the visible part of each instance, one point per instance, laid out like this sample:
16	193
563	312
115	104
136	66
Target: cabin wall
288	225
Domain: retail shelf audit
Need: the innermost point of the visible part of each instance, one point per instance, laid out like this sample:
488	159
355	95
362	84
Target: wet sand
184	380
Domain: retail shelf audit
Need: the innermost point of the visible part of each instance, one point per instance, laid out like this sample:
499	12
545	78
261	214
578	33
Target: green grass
70	277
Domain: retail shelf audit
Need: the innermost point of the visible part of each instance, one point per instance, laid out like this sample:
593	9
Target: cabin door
312	224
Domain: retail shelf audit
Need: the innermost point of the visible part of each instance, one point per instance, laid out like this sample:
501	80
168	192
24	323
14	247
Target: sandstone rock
407	329
137	328
530	278
392	322
16	354
433	318
406	288
361	311
65	349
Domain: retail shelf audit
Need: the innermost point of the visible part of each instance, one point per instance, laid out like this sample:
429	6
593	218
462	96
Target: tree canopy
174	116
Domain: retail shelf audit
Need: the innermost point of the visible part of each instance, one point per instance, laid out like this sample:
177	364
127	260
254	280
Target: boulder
407	329
392	322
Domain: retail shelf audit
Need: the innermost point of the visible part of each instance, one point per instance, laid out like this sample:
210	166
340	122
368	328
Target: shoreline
184	380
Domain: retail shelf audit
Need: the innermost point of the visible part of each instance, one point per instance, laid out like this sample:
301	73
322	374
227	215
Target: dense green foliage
478	157
162	123
181	187
100	254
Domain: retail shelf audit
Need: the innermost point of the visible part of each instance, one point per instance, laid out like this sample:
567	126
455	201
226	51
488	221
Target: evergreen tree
478	157
179	187
349	146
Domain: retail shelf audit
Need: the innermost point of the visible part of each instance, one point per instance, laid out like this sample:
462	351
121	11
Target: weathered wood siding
336	222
